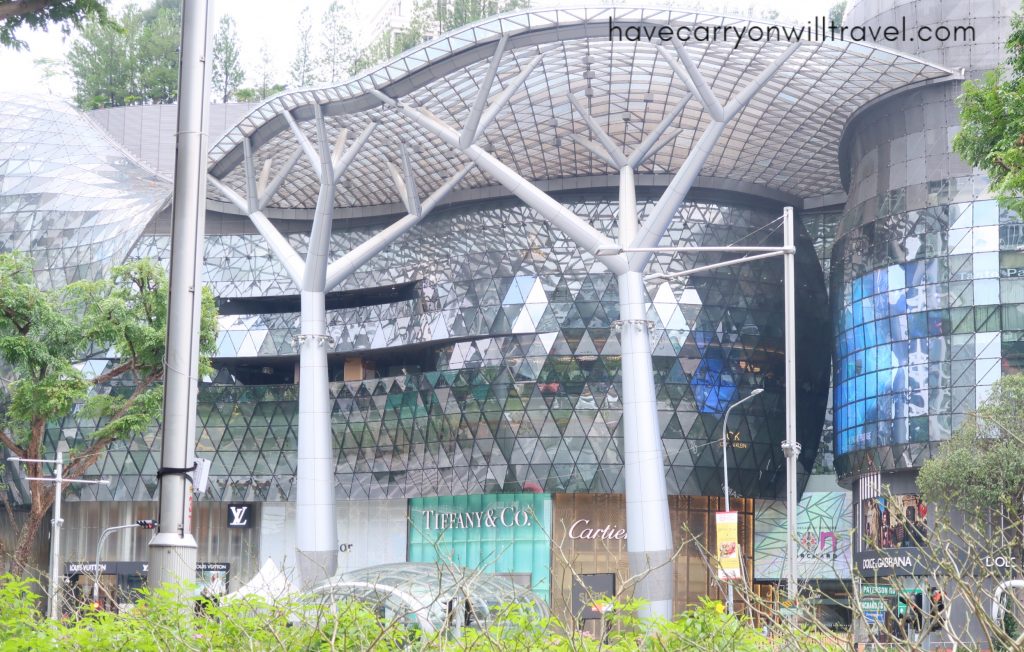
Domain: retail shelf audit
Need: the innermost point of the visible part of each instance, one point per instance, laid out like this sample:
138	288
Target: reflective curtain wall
501	372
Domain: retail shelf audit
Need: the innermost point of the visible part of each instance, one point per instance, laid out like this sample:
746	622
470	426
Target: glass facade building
925	291
500	368
482	351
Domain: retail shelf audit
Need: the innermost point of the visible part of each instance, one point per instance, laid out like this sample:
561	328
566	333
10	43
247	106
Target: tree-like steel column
646	491
316	525
650	543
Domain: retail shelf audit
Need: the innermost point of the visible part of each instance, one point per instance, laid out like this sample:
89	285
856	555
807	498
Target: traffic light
938	600
147	523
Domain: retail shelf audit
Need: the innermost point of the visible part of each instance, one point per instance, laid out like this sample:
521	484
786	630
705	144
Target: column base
656	583
172	562
315	566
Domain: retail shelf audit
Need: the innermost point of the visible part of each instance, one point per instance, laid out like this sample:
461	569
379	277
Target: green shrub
160	622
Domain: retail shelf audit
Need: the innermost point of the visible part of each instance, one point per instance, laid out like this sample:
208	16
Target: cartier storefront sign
590	538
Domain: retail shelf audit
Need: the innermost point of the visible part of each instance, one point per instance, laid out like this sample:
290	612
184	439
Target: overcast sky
271	23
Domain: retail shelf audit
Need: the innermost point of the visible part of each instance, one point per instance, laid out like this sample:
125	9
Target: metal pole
172	552
791	447
99	548
725	469
58	481
58	485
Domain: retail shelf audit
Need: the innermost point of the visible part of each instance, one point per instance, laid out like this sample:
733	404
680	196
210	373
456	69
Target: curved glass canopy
785	140
430	596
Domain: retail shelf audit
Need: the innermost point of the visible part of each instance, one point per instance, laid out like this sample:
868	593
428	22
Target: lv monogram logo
238	515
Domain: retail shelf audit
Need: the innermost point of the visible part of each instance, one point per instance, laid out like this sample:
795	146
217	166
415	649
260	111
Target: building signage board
240	515
499	533
824	531
204	569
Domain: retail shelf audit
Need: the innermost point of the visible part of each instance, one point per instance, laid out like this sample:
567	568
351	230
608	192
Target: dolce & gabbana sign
508	516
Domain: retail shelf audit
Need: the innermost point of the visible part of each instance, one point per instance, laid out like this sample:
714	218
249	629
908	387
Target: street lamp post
725	467
58	481
143	523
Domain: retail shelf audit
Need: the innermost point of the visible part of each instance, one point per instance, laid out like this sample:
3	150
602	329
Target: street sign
879	590
872	605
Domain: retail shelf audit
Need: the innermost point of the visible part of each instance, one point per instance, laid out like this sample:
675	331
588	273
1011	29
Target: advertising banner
824	527
892	529
506	534
727	530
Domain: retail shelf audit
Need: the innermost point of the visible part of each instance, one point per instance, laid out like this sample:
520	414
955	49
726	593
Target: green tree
836	12
450	14
158	52
227	68
38	14
431	17
980	470
46	335
132	62
303	69
104	62
991	135
337	51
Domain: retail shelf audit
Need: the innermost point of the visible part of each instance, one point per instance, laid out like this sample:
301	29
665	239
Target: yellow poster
727	530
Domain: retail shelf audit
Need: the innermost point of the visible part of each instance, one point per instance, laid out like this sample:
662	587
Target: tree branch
22	7
113	373
8	441
82	462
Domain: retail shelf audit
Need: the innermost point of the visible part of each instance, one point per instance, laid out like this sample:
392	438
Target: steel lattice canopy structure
784	142
527	104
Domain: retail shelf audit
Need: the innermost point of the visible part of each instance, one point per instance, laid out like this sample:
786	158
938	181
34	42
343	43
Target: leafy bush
160	622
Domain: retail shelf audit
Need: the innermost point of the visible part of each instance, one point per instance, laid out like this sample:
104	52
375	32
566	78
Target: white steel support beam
737	103
469	130
345	159
411	192
647	146
320	234
696	82
342	268
614	151
499	102
264	178
673	197
339	146
405	182
585	235
649	544
316	527
657	222
307	147
252	193
267	193
291	261
594	148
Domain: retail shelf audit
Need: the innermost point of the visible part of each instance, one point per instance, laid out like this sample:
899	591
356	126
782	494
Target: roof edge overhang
418	66
730	191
